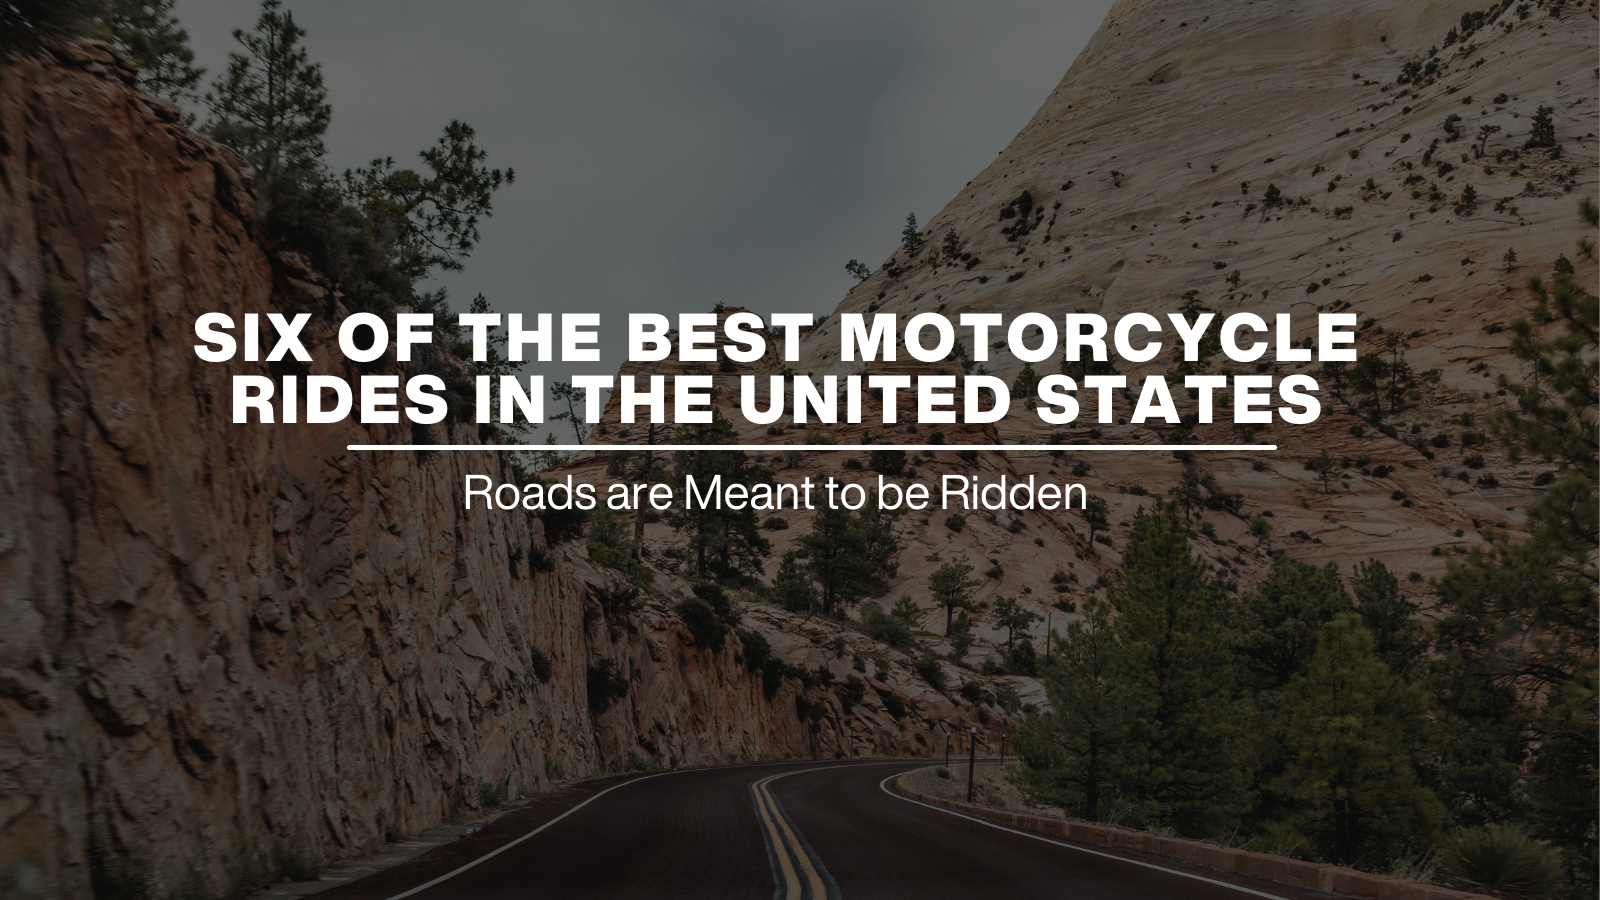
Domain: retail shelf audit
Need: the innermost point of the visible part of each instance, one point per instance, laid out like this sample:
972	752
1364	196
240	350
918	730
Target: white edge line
579	448
1040	837
507	846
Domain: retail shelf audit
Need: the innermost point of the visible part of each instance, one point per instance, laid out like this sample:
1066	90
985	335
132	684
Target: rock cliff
232	651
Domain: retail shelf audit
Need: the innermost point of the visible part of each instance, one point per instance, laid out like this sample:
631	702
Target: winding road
805	830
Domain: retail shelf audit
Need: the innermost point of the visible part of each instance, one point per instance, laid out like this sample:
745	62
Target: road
805	830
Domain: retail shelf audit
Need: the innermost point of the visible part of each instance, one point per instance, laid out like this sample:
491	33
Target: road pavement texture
788	831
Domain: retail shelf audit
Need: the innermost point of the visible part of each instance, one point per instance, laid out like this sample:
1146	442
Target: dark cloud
671	156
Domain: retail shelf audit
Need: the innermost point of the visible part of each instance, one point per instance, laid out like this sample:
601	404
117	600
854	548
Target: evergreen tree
911	235
791	587
951	588
1097	515
271	104
1542	133
1358	736
1522	617
960	634
1388	617
1074	755
1279	623
1327	470
906	610
431	220
147	33
1183	768
727	543
851	556
1187	491
1011	615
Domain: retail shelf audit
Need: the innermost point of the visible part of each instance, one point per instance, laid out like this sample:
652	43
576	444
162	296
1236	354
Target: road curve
806	831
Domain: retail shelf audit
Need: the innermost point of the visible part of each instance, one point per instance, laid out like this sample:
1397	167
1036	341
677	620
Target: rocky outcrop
228	650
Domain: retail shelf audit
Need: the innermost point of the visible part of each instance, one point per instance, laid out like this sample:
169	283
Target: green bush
955	522
491	795
1501	858
606	685
894	705
541	665
704	625
931	670
881	626
393	833
887	462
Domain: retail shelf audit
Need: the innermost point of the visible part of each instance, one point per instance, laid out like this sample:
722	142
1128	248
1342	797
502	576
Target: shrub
605	684
994	572
967	456
775	523
944	773
758	657
1544	478
491	795
1501	858
1475	461
894	705
704	625
393	833
541	666
935	437
852	463
931	670
881	626
955	522
887	462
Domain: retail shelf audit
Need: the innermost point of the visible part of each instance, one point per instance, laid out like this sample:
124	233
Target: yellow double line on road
800	875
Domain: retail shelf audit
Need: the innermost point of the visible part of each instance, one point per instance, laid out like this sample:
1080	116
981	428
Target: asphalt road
805	830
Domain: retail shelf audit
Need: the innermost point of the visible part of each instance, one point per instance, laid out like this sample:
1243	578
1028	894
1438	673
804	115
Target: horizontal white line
579	448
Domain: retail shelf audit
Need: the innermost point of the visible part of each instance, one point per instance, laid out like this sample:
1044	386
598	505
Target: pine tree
1358	734
1542	133
271	105
1388	617
1073	755
1011	615
791	587
1523	616
911	235
727	543
1177	655
1279	622
1097	515
1327	470
951	588
431	221
851	556
147	33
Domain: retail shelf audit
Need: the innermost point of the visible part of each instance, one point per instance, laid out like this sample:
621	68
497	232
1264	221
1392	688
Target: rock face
1149	169
229	651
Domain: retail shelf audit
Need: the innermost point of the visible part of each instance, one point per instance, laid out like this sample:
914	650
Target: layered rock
228	650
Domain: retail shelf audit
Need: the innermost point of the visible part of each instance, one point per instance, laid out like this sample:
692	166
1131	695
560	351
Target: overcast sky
674	155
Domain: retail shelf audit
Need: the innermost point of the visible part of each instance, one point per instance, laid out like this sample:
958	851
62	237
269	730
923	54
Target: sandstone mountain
1148	170
227	650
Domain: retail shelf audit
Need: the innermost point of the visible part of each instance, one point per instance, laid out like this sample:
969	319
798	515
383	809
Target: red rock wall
225	647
